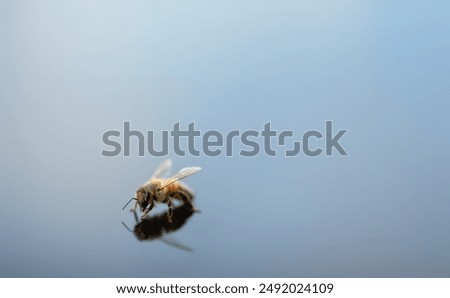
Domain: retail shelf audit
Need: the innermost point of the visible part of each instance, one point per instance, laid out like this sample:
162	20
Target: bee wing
172	242
164	169
183	173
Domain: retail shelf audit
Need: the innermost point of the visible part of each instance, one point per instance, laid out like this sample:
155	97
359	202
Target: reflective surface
157	227
69	72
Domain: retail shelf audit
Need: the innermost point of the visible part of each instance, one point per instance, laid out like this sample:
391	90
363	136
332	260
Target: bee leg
170	210
145	213
150	207
133	209
135	216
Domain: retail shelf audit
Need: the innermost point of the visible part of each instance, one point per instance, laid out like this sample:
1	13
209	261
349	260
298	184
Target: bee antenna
126	227
128	202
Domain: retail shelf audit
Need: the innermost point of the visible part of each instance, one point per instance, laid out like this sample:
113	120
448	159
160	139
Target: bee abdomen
181	194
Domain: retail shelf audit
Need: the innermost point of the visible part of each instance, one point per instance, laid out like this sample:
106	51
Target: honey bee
164	190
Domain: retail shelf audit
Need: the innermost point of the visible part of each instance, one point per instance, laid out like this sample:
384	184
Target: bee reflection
157	226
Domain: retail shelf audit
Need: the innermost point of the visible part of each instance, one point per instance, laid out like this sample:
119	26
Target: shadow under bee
155	227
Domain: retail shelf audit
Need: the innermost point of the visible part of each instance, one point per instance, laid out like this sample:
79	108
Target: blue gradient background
71	70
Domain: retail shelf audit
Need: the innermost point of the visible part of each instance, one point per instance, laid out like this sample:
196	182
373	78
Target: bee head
140	195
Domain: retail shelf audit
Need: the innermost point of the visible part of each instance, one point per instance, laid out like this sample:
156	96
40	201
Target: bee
164	190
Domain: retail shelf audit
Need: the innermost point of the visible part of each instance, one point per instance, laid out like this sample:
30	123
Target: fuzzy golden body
176	190
164	190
